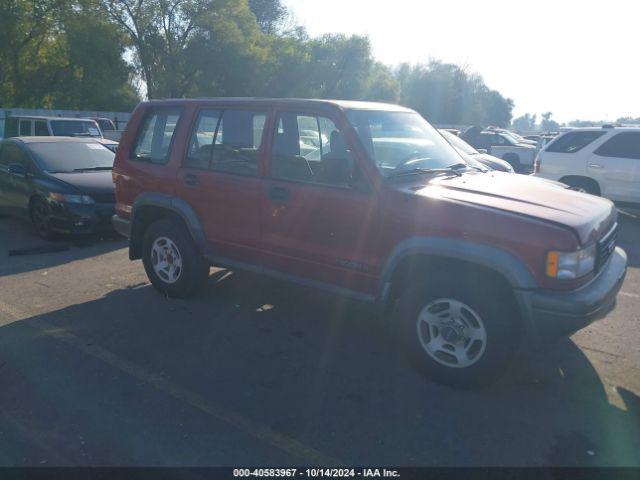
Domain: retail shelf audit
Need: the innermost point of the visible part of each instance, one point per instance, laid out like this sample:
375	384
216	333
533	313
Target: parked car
519	155
485	159
110	144
468	266
28	126
105	124
599	161
108	129
60	184
517	138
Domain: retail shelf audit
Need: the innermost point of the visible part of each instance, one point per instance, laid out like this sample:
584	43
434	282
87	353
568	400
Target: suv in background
369	201
499	144
601	161
34	126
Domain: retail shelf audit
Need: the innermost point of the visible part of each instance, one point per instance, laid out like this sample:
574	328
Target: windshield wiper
454	169
85	169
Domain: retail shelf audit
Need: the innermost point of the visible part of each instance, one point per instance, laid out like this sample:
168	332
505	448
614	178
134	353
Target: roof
43	117
52	139
342	104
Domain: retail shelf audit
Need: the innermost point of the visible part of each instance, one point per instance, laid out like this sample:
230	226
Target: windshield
73	128
70	156
402	141
458	143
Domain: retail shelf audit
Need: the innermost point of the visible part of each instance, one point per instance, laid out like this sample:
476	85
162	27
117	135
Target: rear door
319	219
616	163
220	178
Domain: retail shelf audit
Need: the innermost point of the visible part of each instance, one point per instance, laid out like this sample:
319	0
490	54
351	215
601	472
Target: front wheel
39	213
173	263
458	334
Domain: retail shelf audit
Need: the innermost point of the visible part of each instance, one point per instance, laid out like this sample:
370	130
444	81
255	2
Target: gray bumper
121	225
554	314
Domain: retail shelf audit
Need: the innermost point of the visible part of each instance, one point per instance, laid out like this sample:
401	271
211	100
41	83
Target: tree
61	53
525	123
270	14
447	94
548	125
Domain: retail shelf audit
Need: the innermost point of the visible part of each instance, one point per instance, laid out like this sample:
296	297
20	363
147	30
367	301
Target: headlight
568	266
66	198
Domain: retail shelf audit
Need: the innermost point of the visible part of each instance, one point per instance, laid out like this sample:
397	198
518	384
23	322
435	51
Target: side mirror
17	170
482	150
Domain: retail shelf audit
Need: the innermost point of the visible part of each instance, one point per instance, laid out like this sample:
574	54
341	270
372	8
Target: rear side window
25	128
41	129
573	142
622	145
227	141
154	137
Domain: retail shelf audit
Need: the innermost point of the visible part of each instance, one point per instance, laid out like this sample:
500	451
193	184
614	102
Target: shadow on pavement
21	250
629	237
313	367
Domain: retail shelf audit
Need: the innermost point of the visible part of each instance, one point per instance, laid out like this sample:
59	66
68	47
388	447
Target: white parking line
627	294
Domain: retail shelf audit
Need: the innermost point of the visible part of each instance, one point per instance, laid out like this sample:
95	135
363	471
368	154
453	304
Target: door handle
595	165
279	194
191	179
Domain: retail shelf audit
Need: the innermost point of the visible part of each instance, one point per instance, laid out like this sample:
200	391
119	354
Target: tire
486	307
584	185
172	261
513	160
38	212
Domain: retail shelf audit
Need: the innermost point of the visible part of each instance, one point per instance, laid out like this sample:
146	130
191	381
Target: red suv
366	200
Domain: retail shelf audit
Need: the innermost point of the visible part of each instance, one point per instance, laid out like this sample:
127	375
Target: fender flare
506	264
175	205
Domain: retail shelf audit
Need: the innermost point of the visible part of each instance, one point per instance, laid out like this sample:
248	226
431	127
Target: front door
319	218
221	179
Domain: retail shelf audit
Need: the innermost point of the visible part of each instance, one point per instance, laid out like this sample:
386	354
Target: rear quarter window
621	145
573	142
155	136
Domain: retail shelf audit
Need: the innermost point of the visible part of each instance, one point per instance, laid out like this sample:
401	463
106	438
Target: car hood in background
589	216
493	162
91	183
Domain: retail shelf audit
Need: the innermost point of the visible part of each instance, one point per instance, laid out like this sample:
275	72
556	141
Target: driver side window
310	149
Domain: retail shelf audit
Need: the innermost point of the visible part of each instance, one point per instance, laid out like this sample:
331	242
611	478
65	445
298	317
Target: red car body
353	241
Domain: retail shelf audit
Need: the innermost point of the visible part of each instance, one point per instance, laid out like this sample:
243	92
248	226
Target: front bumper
121	225
556	314
79	219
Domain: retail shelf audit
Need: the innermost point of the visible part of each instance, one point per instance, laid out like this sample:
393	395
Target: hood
590	217
90	183
493	162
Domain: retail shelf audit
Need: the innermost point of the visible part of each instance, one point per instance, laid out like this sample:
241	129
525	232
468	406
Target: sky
577	59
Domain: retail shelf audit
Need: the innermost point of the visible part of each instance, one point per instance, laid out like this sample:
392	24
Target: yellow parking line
257	430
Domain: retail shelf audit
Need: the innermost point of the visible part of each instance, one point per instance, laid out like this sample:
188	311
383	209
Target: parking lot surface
97	368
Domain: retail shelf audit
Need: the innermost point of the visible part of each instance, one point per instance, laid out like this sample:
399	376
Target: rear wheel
584	185
39	213
173	263
459	334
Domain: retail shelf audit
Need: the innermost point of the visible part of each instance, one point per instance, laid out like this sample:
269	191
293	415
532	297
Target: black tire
513	160
38	212
497	312
194	269
585	185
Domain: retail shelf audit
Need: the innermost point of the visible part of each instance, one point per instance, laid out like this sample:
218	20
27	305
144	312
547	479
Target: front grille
606	246
104	198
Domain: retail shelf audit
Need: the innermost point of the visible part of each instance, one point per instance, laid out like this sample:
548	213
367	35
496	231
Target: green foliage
57	53
525	123
71	54
447	94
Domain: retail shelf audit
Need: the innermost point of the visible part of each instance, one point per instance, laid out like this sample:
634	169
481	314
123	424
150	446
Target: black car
60	184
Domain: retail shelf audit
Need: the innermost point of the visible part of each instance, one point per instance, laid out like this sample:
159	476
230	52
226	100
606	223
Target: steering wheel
408	160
